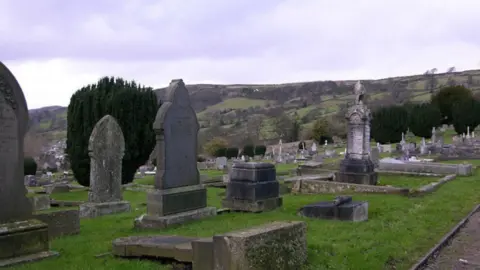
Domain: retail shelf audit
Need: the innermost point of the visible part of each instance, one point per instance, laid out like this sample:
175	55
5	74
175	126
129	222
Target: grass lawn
399	231
405	181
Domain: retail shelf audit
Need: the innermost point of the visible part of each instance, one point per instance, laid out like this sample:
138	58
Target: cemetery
356	205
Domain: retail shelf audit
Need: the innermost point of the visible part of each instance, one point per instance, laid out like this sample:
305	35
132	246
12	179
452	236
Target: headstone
22	237
375	156
30	181
201	165
342	208
221	163
106	148
178	196
357	166
314	147
253	187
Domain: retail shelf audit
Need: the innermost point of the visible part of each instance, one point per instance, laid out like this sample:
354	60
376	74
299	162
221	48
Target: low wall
427	167
60	222
318	186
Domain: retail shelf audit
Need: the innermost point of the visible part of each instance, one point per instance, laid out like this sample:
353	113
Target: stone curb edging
433	186
409	173
445	241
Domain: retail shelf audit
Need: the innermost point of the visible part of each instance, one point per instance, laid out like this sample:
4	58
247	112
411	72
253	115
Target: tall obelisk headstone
22	238
357	167
106	148
178	196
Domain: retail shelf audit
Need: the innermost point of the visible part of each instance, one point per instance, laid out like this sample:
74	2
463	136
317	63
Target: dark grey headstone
176	126
106	149
13	125
253	172
342	209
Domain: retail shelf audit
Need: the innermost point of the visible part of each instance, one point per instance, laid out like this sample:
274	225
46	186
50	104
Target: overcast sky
54	47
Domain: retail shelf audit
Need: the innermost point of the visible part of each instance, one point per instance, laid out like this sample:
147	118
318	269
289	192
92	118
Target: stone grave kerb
176	98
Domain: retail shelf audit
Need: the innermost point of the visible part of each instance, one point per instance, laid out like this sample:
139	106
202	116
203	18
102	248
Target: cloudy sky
55	47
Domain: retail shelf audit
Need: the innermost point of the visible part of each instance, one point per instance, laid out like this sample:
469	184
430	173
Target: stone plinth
347	211
253	187
93	210
24	241
357	171
60	222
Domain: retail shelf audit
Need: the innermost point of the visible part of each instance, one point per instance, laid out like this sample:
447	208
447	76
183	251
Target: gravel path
464	246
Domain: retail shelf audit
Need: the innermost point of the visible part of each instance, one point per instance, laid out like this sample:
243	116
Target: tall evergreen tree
388	123
423	117
133	106
447	97
466	113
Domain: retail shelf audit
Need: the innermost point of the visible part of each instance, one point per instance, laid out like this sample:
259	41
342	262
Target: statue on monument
359	91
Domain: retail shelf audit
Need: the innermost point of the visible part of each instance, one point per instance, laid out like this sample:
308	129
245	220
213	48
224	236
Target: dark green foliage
447	97
220	152
231	152
133	106
29	166
249	150
201	159
324	138
260	150
423	117
388	123
302	145
52	170
466	113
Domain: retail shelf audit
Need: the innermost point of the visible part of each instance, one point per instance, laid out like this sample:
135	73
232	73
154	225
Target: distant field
236	103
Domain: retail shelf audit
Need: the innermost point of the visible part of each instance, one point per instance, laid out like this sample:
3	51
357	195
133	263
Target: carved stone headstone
22	237
106	148
357	167
178	196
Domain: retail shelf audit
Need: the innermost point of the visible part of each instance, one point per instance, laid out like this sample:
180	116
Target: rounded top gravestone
13	125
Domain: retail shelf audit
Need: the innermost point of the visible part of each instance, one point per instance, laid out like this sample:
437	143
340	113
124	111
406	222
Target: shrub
388	123
201	159
423	117
29	166
260	150
231	152
134	107
220	152
249	150
465	113
215	147
320	129
447	97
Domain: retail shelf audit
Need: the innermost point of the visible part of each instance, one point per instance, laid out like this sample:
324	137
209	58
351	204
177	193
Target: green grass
237	103
45	124
405	181
399	231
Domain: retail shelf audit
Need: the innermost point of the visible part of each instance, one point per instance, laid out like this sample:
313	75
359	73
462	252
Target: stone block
357	171
61	222
161	222
56	188
176	200
351	211
23	241
278	245
252	191
253	172
258	206
40	202
93	210
202	254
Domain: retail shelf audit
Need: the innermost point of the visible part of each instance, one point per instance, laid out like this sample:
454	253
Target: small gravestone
221	163
342	208
253	187
106	148
22	238
178	196
375	156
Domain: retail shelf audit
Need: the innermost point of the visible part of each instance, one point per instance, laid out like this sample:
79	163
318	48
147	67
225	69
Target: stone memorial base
346	211
253	206
24	241
60	222
357	171
162	222
92	210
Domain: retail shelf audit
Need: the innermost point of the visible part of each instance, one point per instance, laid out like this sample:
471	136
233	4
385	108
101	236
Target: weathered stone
427	167
357	171
56	188
106	149
252	187
278	245
202	254
60	222
347	210
179	195
316	187
40	202
22	239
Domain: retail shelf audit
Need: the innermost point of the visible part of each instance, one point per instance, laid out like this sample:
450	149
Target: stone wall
427	167
61	222
316	187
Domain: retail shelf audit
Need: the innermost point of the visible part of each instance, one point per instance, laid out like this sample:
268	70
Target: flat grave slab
342	208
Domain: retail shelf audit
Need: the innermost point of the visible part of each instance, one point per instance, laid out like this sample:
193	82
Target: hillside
231	110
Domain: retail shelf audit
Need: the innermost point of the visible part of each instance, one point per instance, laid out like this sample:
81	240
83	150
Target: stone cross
106	148
326	142
314	147
13	125
423	141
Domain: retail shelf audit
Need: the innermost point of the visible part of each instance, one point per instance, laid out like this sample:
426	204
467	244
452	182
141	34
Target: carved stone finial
359	91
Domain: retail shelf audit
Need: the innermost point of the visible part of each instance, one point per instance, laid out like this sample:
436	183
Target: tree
254	126
447	97
29	166
388	124
431	81
33	144
465	113
320	130
212	147
286	128
423	117
133	106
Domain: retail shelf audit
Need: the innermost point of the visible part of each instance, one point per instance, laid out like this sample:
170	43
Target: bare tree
254	127
431	80
451	80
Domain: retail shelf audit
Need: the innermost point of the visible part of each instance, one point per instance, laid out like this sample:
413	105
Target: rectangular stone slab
255	206
277	245
61	222
353	211
202	254
253	172
23	238
172	201
252	191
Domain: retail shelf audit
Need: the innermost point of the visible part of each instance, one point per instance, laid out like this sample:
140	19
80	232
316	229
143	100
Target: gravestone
221	163
375	156
357	166
253	187
22	238
178	196
106	148
342	208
